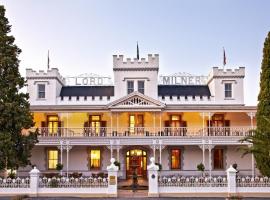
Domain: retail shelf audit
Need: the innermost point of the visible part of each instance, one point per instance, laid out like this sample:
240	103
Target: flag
48	61
224	57
138	55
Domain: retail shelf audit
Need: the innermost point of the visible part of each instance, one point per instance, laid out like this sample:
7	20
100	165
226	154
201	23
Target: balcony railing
145	132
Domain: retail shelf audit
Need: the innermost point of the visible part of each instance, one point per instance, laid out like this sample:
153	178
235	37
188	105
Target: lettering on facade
88	80
182	79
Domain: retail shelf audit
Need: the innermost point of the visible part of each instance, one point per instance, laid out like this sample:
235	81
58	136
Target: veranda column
68	148
160	122
61	154
111	124
160	151
202	147
154	148
203	126
153	178
112	179
154	123
252	115
111	148
210	146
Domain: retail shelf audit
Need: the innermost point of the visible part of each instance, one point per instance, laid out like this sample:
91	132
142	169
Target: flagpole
224	58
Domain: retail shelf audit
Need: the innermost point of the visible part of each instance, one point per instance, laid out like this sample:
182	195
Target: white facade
202	122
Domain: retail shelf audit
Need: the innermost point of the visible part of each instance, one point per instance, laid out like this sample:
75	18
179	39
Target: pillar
153	178
112	179
231	178
34	180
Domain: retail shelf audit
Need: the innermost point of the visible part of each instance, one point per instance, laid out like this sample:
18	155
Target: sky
189	35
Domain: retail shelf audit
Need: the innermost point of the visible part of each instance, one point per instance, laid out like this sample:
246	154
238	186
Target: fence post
231	178
34	179
112	179
153	178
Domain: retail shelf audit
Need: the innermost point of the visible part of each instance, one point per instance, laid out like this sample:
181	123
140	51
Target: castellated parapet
217	72
120	63
51	73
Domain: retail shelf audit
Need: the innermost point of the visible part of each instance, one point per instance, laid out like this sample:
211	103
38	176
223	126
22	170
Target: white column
153	178
111	148
203	124
67	143
231	178
67	132
117	123
154	123
111	124
34	179
251	115
118	150
203	151
61	154
209	124
112	179
210	158
160	123
160	151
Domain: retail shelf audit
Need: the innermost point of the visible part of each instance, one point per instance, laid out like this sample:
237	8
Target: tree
260	140
15	116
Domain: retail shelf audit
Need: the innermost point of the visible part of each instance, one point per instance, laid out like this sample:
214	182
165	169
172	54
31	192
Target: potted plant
201	168
117	163
59	166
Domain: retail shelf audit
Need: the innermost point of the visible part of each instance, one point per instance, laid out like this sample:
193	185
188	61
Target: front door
136	162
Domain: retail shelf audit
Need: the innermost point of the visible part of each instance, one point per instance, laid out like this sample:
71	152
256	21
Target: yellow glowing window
175	117
175	158
52	159
53	118
94	159
95	118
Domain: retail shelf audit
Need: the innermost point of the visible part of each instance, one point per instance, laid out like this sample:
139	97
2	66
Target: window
52	159
175	159
130	87
41	91
95	123
94	159
53	124
141	87
136	122
218	159
228	90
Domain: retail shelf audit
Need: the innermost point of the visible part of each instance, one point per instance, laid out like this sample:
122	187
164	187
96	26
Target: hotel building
181	120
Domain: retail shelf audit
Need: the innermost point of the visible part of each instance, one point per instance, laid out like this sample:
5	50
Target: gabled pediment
136	100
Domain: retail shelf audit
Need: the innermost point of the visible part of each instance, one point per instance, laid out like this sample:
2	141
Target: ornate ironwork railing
145	131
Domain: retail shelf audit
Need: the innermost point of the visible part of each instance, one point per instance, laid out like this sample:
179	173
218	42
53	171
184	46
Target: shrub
59	166
200	167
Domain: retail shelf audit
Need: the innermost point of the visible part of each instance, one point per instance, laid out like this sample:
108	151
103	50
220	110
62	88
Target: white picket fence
62	186
177	185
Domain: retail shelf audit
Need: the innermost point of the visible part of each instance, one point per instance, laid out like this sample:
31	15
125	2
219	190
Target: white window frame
141	88
129	89
38	90
228	97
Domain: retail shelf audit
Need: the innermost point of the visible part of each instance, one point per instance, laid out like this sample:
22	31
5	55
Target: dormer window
141	87
228	90
130	87
41	91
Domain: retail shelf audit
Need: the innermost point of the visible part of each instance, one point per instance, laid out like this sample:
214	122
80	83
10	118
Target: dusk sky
188	35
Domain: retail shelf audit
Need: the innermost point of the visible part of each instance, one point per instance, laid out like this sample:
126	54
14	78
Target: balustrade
146	131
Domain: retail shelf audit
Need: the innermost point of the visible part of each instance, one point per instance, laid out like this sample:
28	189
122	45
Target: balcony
141	132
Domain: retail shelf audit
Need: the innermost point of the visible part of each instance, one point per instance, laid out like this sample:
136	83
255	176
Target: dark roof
183	90
87	91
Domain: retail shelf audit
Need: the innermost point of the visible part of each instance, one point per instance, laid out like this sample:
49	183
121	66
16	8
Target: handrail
239	131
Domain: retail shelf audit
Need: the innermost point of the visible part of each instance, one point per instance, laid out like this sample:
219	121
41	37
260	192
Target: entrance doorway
136	160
